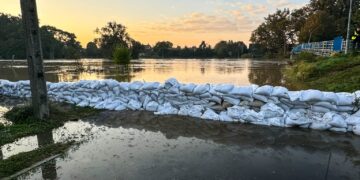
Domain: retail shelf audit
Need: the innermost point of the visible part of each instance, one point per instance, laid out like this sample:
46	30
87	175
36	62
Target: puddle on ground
140	145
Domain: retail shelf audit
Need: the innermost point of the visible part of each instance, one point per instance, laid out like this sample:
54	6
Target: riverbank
338	73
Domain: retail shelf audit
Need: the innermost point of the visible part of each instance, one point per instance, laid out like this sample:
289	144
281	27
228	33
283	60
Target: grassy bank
337	73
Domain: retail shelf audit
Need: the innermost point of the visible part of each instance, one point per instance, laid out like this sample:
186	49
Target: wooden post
35	59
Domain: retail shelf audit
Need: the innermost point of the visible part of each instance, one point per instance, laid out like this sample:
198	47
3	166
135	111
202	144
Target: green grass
24	124
338	73
21	161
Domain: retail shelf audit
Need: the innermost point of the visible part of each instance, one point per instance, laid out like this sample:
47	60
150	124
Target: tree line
60	44
319	20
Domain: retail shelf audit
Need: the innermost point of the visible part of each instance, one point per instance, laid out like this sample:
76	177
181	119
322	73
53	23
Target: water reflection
240	72
48	169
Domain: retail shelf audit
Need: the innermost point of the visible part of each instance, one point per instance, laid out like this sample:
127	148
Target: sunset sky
184	22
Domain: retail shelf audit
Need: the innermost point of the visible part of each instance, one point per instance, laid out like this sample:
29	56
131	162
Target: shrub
121	55
306	56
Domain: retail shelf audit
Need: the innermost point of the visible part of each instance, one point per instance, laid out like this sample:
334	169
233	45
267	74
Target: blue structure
324	48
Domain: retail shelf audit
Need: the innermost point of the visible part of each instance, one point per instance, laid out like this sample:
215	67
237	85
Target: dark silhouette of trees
111	36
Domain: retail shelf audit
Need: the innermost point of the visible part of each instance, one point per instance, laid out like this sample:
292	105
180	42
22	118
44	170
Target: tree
162	48
35	59
136	49
122	55
111	36
275	34
92	51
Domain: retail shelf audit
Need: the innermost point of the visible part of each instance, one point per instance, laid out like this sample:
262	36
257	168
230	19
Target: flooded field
140	145
239	72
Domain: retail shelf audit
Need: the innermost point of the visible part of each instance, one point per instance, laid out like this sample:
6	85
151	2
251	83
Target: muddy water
239	72
140	145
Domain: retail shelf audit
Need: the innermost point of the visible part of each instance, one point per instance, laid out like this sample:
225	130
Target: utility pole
35	59
348	29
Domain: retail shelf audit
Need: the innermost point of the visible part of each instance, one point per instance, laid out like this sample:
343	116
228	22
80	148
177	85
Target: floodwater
140	145
239	72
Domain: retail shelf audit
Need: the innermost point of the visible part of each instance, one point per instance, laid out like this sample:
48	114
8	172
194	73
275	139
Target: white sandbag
271	110
339	130
232	101
251	116
205	95
152	106
172	82
124	86
166	109
356	130
210	114
235	112
354	119
321	126
112	105
136	86
335	120
246	91
84	103
196	111
260	98
280	92
344	108
184	110
326	104
134	105
120	107
264	90
330	97
311	95
345	99
188	88
215	99
294	95
146	100
224	117
224	88
320	109
296	118
174	90
276	121
201	89
150	86
273	99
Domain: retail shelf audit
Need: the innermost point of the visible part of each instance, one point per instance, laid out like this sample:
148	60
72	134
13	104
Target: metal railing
323	48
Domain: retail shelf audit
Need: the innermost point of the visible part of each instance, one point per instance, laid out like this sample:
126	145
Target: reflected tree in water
49	168
269	74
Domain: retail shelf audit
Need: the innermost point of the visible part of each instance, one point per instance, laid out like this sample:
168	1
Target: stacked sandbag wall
265	105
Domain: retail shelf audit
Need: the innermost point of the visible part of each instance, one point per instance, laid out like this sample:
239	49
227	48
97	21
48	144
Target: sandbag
232	101
251	116
264	90
166	109
353	119
136	86
246	91
172	82
224	117
321	126
224	88
276	121
260	98
152	106
210	114
311	95
196	111
340	130
202	89
271	110
134	105
345	99
330	97
188	88
335	120
356	130
280	92
150	86
184	110
320	109
235	112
